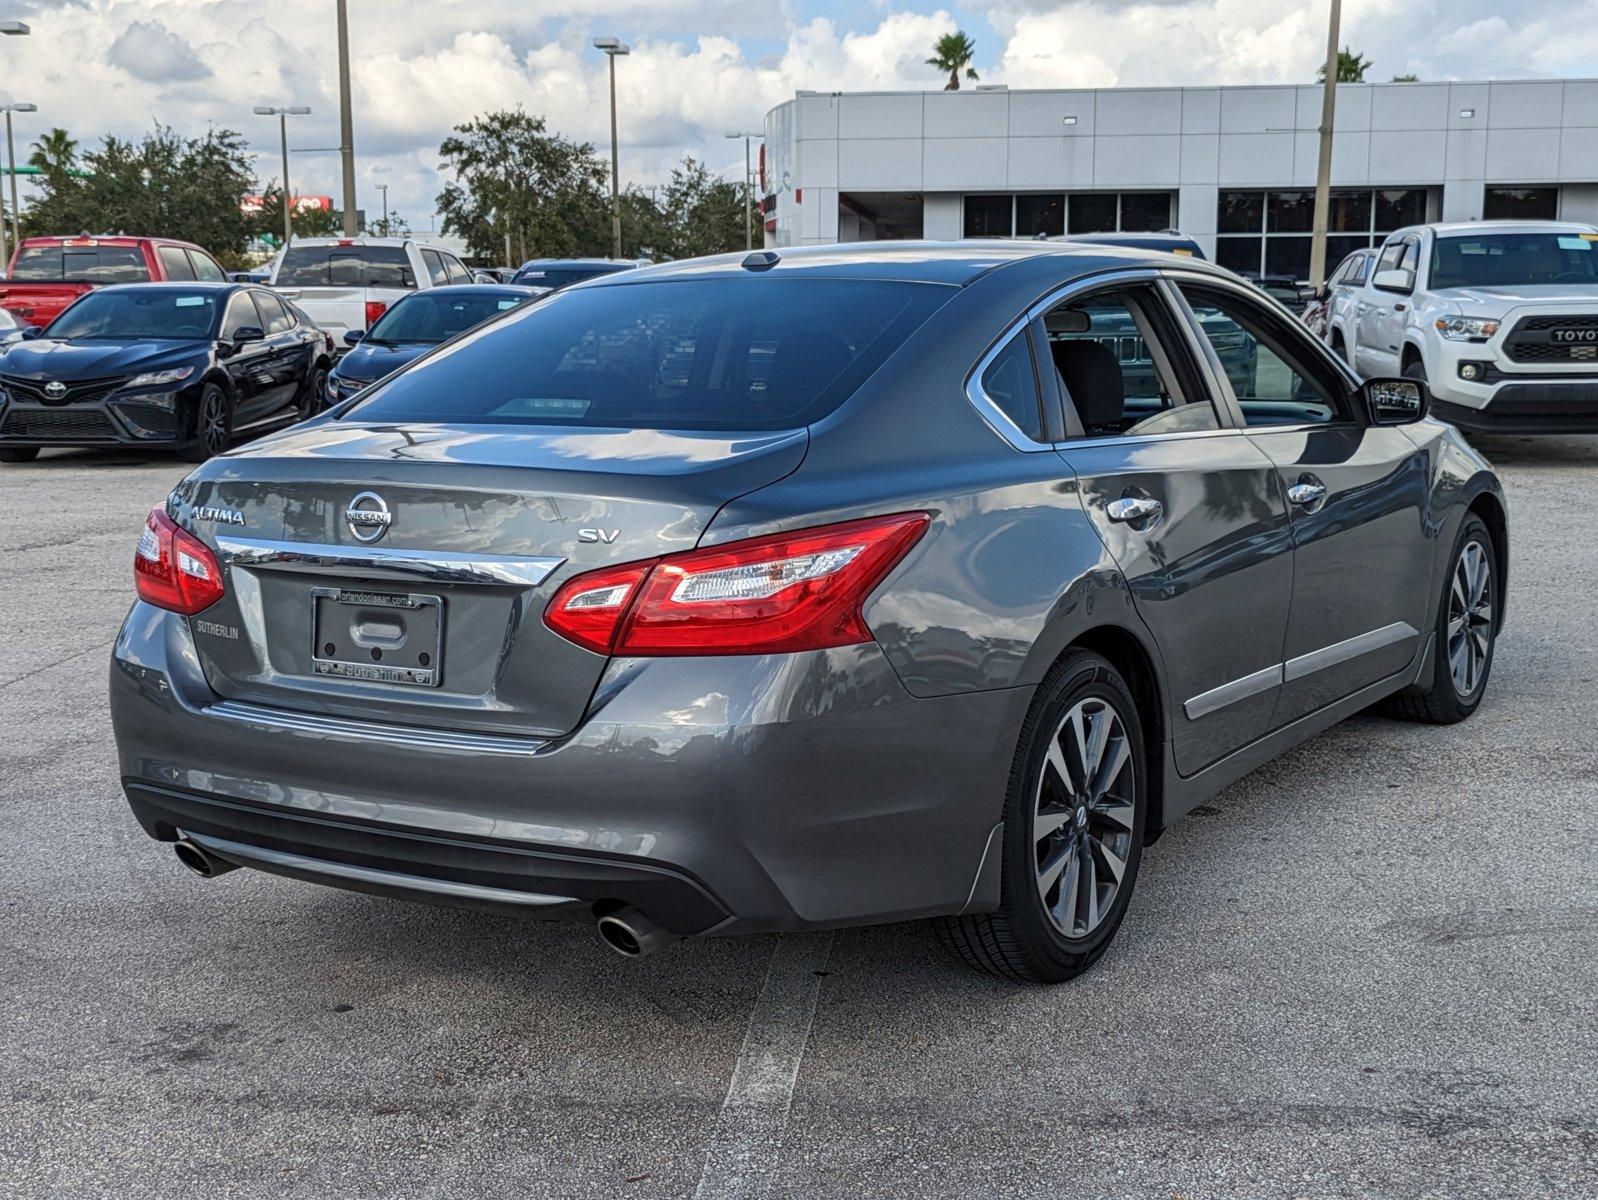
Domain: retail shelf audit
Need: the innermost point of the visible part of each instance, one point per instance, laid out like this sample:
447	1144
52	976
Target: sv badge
606	536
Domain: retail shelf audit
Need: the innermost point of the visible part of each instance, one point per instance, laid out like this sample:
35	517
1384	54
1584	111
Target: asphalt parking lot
1371	968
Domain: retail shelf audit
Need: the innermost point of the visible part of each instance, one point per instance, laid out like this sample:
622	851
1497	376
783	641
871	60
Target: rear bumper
717	794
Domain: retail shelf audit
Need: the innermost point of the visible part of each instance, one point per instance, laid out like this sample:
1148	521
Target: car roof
955	262
181	285
613	264
105	239
1457	228
481	289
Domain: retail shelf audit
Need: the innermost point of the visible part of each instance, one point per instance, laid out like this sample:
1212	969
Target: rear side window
345	266
737	354
81	264
175	263
434	263
1011	384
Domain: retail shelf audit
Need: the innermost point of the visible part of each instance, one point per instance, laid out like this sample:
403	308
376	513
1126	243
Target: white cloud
698	67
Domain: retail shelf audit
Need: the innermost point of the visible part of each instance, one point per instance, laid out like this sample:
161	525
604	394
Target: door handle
1131	509
1307	493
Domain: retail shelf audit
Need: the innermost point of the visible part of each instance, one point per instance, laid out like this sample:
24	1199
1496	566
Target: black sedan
415	325
181	365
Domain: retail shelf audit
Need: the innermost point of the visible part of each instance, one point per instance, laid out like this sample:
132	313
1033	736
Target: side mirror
247	333
29	332
1396	401
353	336
1308	294
1394	279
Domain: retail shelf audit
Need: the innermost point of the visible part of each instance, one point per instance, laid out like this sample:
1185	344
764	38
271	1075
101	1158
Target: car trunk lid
460	536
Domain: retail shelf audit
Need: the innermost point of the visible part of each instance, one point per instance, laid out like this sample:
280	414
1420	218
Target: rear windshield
736	354
435	317
559	277
152	313
81	264
345	266
1514	260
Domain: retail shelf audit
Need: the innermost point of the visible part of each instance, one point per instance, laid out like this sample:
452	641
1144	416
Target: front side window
1273	371
205	267
751	354
274	317
241	314
139	313
1011	384
455	271
81	264
1116	370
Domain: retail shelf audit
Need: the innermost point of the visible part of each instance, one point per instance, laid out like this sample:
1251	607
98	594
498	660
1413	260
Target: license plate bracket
378	637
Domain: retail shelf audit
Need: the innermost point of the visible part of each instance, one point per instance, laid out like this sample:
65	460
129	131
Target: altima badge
368	517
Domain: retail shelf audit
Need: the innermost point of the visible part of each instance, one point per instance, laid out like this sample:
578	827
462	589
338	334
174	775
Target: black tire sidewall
1473	529
1052	955
315	398
197	450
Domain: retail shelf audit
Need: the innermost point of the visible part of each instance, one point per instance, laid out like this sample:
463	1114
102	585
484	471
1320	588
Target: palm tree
55	154
1351	67
953	54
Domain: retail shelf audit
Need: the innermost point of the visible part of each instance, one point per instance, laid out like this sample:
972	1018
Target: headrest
1092	377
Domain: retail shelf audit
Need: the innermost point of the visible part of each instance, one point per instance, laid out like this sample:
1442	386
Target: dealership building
1233	167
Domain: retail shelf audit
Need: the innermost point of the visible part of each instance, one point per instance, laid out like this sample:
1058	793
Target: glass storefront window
1145	212
1521	204
1279	226
1093	212
1040	214
989	216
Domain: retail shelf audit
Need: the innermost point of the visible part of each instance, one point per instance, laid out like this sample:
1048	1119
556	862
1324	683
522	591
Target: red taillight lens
374	310
173	569
779	594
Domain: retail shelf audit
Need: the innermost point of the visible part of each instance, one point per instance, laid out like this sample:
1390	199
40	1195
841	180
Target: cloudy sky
698	68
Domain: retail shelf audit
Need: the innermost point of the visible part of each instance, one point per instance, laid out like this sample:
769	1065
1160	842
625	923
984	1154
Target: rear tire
1074	819
18	454
1465	634
314	398
213	424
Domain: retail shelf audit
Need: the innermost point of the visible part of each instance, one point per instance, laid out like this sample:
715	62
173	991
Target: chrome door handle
1134	508
1306	495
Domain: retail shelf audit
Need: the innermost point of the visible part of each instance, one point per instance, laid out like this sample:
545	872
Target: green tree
1406	78
163	184
56	153
394	225
700	213
953	54
308	222
513	176
1351	67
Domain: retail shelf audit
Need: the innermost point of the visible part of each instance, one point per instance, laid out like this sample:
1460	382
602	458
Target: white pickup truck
1500	318
345	284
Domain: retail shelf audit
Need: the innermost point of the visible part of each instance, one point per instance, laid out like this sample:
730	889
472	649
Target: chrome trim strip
345	729
323	868
1340	652
1216	699
386	560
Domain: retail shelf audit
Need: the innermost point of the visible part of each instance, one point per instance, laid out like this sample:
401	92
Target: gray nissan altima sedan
806	588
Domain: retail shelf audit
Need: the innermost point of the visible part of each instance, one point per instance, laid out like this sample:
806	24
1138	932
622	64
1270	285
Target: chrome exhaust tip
631	934
201	861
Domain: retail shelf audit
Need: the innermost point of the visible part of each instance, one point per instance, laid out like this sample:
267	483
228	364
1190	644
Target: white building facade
1232	167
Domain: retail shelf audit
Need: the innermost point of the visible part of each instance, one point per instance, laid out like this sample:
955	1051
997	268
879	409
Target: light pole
10	29
613	50
283	115
11	160
346	121
749	204
1323	172
383	187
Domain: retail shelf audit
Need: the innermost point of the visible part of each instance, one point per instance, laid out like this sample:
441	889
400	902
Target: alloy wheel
214	421
1083	819
1470	618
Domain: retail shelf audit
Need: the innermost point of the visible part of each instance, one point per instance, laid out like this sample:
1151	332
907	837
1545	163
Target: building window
1028	214
1269	232
1521	204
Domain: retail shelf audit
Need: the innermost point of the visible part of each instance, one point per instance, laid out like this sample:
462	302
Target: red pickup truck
49	273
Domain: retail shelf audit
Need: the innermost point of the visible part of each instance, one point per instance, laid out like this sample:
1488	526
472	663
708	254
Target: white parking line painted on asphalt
754	1117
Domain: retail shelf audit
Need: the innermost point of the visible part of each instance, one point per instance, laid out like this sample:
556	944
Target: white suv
1500	318
345	284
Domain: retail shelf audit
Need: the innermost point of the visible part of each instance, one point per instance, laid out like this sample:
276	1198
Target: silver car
802	589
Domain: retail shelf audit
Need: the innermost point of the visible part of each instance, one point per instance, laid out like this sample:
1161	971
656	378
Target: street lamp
749	204
1323	168
11	159
283	115
346	119
383	187
10	29
613	50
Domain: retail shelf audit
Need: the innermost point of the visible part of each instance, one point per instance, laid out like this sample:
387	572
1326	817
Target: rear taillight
374	310
174	569
792	591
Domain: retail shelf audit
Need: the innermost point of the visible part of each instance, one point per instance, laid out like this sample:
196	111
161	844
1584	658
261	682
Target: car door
1356	495
1185	503
246	363
1383	310
284	358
